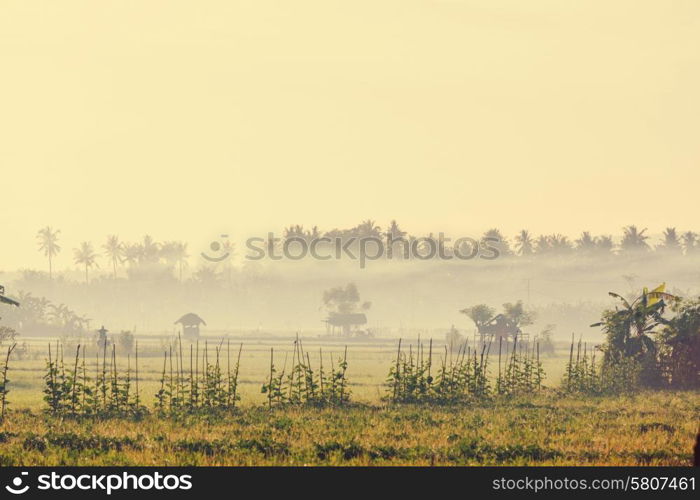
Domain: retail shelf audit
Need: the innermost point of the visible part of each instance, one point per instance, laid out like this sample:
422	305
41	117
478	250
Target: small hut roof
191	319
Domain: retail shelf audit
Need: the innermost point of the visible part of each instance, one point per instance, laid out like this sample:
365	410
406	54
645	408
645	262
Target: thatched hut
190	325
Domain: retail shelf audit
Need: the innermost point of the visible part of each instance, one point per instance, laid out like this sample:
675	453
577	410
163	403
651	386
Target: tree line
171	257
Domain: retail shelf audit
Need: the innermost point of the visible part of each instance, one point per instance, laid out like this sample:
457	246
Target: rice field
546	427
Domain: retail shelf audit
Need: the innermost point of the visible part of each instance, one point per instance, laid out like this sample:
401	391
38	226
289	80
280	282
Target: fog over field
145	290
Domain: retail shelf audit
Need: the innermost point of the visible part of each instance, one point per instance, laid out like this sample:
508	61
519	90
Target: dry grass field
648	428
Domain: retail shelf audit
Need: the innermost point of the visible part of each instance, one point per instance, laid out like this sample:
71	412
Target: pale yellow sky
185	119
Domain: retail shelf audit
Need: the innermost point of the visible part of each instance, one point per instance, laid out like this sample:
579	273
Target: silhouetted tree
671	241
48	243
605	244
634	239
495	239
517	313
586	244
85	255
395	231
689	242
480	314
559	244
114	250
524	243
344	299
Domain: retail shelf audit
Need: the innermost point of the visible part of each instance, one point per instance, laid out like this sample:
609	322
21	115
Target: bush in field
7	334
125	341
546	340
630	330
679	346
643	347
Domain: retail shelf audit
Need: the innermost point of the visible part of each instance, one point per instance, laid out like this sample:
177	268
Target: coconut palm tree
542	244
368	228
48	243
671	241
174	253
149	249
85	255
114	249
524	244
495	239
604	244
395	231
207	276
634	239
690	242
559	244
132	253
586	243
295	231
181	256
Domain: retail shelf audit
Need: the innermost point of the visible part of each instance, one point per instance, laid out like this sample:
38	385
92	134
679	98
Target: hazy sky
184	119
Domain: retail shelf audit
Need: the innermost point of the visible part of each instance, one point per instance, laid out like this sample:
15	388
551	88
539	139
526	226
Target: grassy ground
368	366
645	429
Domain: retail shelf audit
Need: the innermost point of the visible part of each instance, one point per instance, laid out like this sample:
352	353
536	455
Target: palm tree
207	276
604	244
86	256
132	253
671	242
634	239
149	249
181	256
553	244
296	232
114	249
48	243
524	243
368	228
59	314
586	243
542	244
395	231
559	244
690	240
496	240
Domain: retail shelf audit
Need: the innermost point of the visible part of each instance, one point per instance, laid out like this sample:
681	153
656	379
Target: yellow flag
655	295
